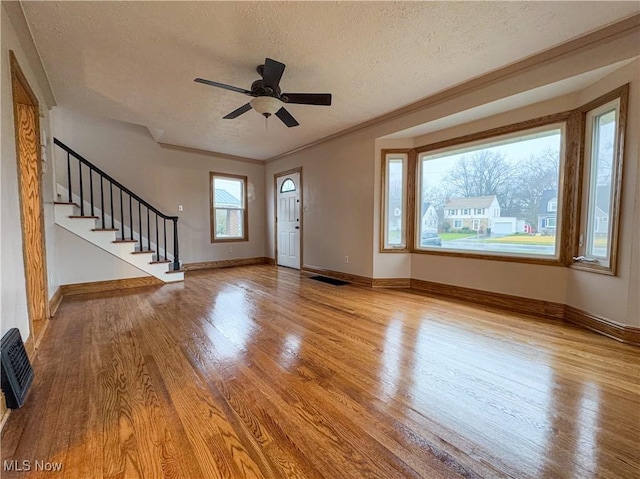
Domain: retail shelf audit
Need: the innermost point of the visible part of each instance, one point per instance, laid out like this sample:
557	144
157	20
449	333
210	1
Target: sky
515	151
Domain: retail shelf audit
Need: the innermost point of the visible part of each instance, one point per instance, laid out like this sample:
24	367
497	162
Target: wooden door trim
23	94
275	211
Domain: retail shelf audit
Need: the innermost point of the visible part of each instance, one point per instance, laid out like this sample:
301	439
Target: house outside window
394	174
552	205
605	123
228	219
496	184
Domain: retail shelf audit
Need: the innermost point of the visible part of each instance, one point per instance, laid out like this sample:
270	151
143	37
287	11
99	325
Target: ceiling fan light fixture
266	105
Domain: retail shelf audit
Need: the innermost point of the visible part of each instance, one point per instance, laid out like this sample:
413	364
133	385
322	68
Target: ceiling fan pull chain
266	124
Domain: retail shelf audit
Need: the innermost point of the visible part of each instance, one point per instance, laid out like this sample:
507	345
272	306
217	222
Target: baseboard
55	301
391	282
622	333
517	304
227	263
109	285
270	261
351	278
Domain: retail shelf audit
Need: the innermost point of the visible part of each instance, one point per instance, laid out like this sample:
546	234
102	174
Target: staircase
105	213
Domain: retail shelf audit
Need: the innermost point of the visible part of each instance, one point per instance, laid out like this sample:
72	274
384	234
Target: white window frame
244	220
386	216
457	223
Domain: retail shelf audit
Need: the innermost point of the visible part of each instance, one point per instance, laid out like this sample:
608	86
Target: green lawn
524	239
455	236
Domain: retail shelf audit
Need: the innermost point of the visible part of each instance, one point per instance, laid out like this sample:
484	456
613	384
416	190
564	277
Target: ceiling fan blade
309	98
286	117
236	113
222	85
272	73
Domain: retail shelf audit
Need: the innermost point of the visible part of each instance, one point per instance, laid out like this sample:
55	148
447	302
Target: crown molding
198	151
616	30
21	27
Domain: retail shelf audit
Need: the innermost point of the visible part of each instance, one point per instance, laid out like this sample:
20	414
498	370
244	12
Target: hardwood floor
260	372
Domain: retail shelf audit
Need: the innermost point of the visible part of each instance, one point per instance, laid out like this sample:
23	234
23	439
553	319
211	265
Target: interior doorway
288	208
26	118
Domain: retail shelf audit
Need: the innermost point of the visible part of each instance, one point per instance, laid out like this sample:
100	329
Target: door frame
275	211
23	94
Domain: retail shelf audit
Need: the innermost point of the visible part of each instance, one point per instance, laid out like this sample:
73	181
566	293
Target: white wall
616	297
344	210
13	304
337	198
165	178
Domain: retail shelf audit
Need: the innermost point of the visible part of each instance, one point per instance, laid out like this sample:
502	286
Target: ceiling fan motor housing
258	89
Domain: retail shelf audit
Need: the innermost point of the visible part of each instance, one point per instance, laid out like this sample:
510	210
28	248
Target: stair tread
125	241
105	229
66	203
78	216
143	251
161	261
171	271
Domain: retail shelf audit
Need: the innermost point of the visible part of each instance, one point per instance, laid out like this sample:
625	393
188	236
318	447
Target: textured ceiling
136	61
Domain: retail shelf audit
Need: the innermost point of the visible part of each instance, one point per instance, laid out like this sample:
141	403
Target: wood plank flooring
259	372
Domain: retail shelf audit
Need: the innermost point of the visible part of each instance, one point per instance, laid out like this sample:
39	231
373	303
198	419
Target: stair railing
122	194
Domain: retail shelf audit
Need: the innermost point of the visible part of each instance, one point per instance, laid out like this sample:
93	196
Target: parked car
430	239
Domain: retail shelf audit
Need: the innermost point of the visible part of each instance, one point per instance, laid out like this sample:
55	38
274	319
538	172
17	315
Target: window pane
395	203
602	169
229	223
498	197
228	192
287	185
228	208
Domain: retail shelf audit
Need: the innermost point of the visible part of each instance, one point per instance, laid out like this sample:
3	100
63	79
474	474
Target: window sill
553	261
395	250
593	268
229	240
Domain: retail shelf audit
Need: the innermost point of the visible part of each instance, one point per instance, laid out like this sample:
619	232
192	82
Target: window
510	194
604	128
394	173
513	176
287	185
228	207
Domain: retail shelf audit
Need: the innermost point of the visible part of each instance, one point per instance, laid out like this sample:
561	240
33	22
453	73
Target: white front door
288	220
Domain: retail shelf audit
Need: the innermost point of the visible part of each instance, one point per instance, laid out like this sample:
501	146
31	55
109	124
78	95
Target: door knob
297	227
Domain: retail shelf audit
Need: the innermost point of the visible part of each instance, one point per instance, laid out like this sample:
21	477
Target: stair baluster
122	191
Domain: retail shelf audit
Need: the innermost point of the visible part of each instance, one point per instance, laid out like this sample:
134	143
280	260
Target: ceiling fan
268	99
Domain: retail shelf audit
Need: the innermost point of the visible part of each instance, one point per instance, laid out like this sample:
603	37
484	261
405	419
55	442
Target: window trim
570	197
620	94
407	197
245	208
563	120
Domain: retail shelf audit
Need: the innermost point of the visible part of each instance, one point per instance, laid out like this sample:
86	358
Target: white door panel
288	220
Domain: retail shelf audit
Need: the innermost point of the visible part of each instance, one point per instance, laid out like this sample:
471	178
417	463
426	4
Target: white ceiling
136	61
